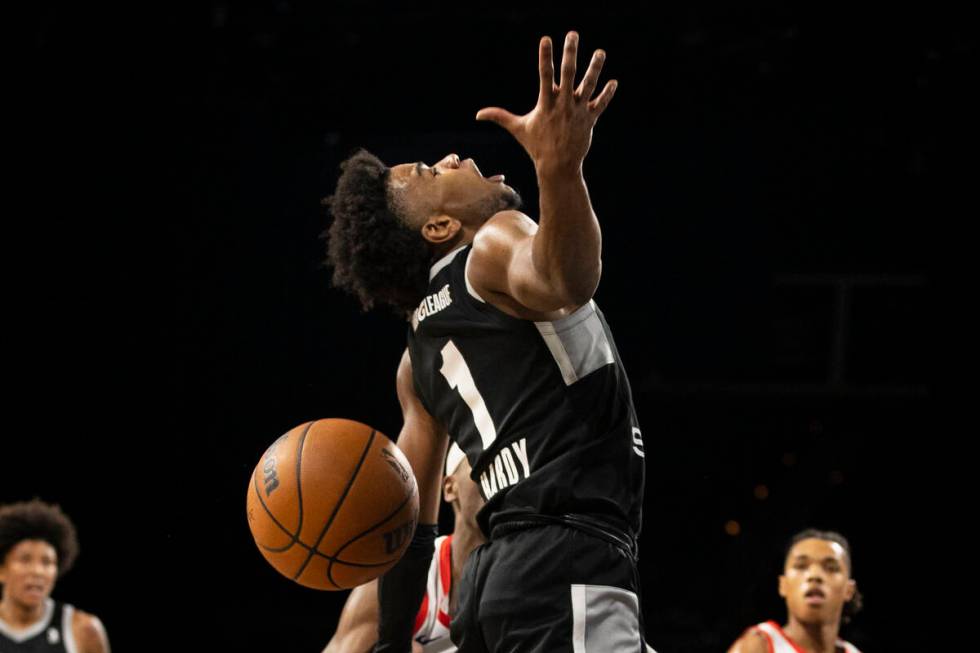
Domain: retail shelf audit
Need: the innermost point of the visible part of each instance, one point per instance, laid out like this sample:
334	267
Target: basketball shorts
549	589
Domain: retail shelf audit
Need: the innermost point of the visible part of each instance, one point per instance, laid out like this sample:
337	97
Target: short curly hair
853	606
375	256
36	520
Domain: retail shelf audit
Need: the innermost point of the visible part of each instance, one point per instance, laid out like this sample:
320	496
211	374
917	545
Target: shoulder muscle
494	247
751	641
502	263
89	633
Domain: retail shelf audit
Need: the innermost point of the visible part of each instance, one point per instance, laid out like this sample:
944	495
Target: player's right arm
400	591
357	629
750	642
556	264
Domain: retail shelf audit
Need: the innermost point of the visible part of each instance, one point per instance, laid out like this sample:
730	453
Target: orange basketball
332	504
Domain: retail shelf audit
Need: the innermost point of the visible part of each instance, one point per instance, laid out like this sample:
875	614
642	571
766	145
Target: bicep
526	284
502	261
423	441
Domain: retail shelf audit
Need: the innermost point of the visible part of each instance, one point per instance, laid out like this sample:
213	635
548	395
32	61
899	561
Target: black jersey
51	634
543	410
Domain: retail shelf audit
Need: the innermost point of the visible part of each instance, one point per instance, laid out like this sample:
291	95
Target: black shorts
545	589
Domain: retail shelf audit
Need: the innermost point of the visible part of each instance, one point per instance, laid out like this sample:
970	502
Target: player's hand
557	133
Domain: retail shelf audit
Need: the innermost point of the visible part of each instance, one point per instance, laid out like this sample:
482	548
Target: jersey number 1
460	378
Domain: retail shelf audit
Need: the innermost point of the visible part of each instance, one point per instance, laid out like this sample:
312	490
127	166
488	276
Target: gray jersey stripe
34	630
66	629
578	343
605	620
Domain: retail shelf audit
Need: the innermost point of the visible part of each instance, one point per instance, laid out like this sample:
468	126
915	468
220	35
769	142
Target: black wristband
400	592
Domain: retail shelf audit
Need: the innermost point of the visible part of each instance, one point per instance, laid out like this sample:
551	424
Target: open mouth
496	179
815	596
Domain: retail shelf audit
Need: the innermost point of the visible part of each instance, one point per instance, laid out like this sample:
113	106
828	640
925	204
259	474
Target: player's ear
440	229
449	490
850	590
783	590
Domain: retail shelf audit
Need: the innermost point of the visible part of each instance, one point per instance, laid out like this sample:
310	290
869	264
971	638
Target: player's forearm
400	593
358	640
567	248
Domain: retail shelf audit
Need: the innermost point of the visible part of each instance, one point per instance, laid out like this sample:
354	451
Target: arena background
767	179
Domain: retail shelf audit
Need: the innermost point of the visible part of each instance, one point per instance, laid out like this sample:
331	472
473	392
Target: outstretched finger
587	87
502	117
599	104
567	83
546	70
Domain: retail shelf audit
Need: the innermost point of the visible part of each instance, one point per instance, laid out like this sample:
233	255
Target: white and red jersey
779	642
432	620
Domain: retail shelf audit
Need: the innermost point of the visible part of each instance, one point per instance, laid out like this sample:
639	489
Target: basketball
332	504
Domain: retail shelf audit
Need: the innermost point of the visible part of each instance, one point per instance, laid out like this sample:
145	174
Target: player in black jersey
37	545
508	353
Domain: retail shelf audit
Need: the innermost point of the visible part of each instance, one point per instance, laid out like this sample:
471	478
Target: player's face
470	500
450	187
29	572
816	581
461	489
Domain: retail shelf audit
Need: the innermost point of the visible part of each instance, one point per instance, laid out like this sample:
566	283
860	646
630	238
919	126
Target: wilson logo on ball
394	539
270	478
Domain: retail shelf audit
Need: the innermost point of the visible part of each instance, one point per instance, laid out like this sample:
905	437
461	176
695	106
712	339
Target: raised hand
557	133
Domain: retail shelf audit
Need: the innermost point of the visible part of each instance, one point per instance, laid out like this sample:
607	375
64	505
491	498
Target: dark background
767	181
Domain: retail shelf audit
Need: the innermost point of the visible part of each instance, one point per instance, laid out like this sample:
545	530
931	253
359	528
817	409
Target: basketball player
508	352
38	545
819	592
357	630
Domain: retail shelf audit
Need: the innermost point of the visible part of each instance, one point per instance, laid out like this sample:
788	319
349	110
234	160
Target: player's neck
813	638
463	237
465	539
19	616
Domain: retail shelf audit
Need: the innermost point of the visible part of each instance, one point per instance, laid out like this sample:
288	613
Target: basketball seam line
336	557
294	537
340	502
299	477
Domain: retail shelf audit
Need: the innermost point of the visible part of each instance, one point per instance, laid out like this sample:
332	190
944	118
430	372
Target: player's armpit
357	629
503	261
90	635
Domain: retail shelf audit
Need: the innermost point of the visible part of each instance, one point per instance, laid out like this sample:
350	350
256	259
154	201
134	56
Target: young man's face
816	581
459	487
450	187
28	573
